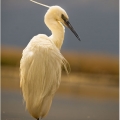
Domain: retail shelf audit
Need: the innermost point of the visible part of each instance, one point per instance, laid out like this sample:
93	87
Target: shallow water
63	108
82	97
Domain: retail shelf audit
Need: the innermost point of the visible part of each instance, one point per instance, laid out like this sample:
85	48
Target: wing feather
40	72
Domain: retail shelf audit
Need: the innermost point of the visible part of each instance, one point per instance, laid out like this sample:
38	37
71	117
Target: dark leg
38	119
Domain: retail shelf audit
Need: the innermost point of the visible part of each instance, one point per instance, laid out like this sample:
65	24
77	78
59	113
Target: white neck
57	30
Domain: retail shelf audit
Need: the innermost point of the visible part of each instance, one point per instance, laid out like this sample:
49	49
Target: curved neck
57	30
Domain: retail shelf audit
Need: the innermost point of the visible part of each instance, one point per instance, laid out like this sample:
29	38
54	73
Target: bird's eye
64	18
66	21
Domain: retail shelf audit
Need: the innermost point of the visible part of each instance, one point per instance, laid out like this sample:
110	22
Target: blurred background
91	91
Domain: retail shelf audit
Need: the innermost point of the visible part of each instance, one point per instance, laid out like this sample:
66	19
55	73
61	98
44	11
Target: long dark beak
72	29
67	23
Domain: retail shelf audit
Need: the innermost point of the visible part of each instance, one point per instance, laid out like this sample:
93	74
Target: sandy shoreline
77	84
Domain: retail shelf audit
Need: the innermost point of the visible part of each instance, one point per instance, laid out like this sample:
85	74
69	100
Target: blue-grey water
96	22
63	108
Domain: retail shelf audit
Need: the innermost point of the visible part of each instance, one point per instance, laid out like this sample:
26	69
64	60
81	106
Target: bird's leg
38	119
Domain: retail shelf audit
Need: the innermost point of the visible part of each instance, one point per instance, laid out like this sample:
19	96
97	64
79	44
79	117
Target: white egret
41	63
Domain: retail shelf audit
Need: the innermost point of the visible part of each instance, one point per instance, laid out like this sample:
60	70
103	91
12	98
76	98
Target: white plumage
41	64
40	74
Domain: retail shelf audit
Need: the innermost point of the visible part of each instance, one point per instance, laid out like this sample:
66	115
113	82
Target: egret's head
56	13
59	14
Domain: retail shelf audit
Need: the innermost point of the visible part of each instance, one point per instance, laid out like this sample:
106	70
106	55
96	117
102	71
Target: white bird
41	63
